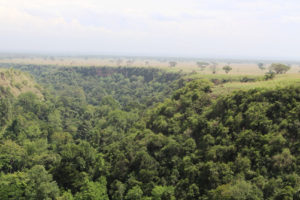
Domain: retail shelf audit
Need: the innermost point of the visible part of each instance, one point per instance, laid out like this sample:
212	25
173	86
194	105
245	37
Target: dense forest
140	133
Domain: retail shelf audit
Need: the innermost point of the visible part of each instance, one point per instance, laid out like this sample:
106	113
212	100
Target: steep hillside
18	82
242	146
130	87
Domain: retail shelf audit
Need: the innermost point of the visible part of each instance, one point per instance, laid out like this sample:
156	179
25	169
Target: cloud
168	27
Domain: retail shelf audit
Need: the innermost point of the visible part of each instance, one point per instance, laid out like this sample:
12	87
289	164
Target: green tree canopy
227	68
279	68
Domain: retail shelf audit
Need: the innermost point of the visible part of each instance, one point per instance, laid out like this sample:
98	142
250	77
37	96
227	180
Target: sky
185	28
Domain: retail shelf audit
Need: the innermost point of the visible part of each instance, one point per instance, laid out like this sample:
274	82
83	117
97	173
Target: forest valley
99	133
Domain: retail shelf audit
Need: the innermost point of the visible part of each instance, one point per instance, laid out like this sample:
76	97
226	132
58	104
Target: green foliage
163	193
134	193
36	183
227	68
261	66
202	65
40	184
12	157
78	162
239	190
5	110
279	68
129	133
93	191
67	195
269	75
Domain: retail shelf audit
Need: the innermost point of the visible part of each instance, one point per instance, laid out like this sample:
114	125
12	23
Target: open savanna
279	81
182	64
240	69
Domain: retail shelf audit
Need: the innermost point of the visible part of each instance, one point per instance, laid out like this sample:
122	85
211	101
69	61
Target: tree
261	66
119	62
67	195
236	190
5	110
227	68
279	68
269	75
134	193
93	191
118	189
41	185
213	68
202	65
284	160
77	161
172	63
37	183
12	156
12	186
129	62
163	193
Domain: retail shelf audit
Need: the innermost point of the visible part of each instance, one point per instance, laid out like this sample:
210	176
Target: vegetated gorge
142	133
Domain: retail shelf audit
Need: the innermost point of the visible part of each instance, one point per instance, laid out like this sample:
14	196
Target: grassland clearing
186	65
244	74
279	81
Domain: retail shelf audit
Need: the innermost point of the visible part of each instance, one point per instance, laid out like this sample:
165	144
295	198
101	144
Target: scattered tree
261	66
172	63
279	68
202	65
227	68
119	62
213	68
129	62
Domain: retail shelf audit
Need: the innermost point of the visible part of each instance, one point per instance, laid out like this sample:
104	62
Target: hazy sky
198	28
